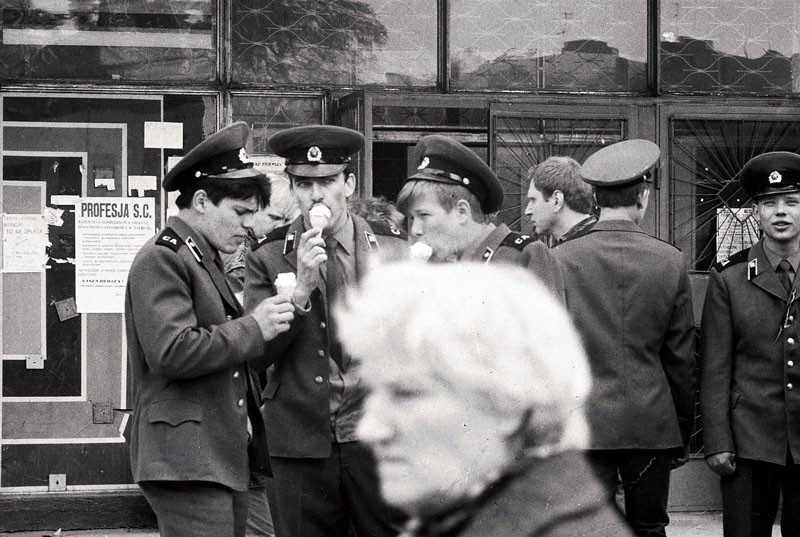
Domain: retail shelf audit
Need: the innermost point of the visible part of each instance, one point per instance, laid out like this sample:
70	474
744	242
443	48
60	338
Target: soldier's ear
349	184
199	200
463	209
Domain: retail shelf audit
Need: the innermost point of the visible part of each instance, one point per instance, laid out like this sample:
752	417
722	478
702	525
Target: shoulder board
170	239
380	227
517	240
277	234
739	257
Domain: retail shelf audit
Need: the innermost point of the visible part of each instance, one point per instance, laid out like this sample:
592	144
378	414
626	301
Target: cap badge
243	156
424	163
314	154
775	177
465	180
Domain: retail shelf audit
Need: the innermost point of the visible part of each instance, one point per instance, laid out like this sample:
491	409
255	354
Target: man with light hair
559	201
480	431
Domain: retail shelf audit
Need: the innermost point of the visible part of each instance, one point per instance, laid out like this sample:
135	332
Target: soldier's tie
334	284
784	271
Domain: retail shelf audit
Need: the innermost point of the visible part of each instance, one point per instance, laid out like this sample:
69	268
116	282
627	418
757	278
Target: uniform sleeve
716	355
162	309
543	263
258	286
678	357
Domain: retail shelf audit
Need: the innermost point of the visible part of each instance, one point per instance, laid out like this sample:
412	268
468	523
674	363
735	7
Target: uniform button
318	379
236	374
790	341
240	403
322	324
321	353
789	386
230	317
790	363
791	318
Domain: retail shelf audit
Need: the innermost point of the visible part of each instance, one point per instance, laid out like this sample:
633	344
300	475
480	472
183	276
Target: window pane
429	116
268	115
710	212
570	45
158	40
339	42
718	46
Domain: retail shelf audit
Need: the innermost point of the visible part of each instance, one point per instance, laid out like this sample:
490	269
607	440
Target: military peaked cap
621	164
443	160
221	155
316	150
777	172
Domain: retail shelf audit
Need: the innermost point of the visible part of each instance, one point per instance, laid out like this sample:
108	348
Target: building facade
99	97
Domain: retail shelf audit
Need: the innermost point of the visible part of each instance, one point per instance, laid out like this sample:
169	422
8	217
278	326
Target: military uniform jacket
630	298
297	391
505	246
750	363
187	346
552	497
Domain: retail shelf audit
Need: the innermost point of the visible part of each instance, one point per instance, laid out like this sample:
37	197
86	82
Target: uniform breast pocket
175	412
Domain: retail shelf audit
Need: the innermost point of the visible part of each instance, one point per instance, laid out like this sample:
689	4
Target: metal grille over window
711	216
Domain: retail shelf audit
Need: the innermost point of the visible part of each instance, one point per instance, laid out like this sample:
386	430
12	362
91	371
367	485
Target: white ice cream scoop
421	251
285	283
319	215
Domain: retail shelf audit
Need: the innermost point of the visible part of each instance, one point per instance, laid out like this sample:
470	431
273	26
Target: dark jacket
187	347
750	361
630	298
297	390
553	497
505	246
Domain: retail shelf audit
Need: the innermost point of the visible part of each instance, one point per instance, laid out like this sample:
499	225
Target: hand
681	459
723	463
274	316
310	255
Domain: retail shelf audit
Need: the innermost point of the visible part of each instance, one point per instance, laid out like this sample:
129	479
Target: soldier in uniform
196	431
630	297
559	201
447	204
750	363
324	478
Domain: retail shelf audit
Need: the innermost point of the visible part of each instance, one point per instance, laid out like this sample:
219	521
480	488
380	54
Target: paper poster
163	135
137	184
269	164
108	234
736	230
24	242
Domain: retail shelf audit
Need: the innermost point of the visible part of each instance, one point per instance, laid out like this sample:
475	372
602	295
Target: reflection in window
158	40
335	42
710	213
268	115
523	142
717	46
573	45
